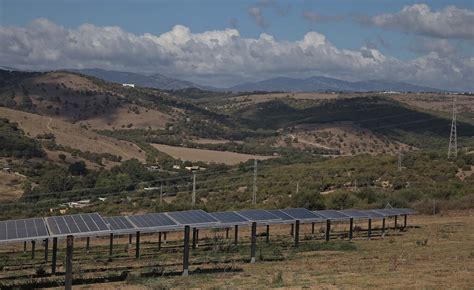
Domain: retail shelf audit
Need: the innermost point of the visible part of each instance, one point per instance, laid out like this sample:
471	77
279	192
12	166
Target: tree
78	168
309	200
62	157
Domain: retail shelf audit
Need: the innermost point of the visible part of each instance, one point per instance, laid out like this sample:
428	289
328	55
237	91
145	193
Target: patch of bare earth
72	135
209	156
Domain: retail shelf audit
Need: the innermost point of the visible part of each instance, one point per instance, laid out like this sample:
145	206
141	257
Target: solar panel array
229	217
332	214
94	224
23	229
118	223
258	215
152	221
356	214
281	214
79	224
373	214
192	217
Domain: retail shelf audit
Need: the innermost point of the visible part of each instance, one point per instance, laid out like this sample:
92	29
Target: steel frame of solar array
280	216
88	225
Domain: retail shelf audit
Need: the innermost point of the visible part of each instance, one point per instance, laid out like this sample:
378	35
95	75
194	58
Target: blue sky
341	23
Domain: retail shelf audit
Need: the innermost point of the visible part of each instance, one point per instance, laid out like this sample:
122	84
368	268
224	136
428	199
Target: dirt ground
193	154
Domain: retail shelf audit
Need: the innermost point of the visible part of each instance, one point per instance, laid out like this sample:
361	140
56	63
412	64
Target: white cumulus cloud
449	22
219	57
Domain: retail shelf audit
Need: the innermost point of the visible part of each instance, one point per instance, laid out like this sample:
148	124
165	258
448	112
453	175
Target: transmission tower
453	136
254	193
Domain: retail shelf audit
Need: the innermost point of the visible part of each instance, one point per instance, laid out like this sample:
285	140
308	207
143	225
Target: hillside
157	81
323	84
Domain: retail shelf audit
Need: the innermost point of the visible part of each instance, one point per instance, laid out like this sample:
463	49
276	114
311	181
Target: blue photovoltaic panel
24	229
258	215
332	214
119	223
301	214
152	220
356	214
91	223
373	214
403	211
229	217
191	217
386	212
281	214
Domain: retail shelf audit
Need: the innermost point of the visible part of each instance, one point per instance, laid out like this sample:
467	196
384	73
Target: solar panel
281	214
23	229
386	212
229	217
301	214
373	214
356	214
407	211
79	224
119	223
152	221
192	217
332	214
258	215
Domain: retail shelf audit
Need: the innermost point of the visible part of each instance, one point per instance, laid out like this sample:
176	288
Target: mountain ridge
319	84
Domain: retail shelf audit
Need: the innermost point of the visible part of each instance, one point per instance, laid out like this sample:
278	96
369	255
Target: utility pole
297	187
254	193
194	189
399	159
453	136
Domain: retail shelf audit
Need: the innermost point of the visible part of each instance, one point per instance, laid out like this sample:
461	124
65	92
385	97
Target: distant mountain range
321	84
282	84
157	81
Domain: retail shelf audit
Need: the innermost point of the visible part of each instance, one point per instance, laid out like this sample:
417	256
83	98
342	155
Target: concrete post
54	256
253	247
297	233
236	235
186	251
137	246
69	254
328	230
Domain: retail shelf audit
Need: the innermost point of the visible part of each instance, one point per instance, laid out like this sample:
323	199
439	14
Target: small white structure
128	85
177	167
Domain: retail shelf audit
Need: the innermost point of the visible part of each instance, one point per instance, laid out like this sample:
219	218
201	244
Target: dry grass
209	156
346	137
10	186
122	117
445	262
72	135
436	254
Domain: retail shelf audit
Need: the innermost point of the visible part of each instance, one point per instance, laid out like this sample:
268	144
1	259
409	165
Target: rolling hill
323	84
157	81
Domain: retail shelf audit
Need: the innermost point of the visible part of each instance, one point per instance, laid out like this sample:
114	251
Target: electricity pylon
453	136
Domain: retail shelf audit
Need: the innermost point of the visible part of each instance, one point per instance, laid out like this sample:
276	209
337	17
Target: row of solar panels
93	224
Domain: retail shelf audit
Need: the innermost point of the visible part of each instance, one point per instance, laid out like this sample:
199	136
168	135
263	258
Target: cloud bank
450	22
220	57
